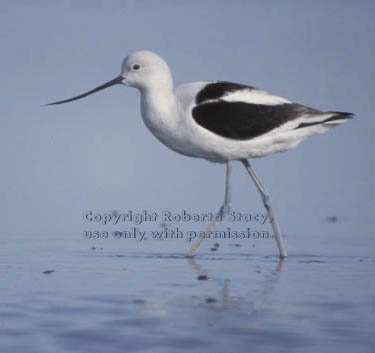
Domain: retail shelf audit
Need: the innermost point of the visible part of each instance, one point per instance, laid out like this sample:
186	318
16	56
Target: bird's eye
136	67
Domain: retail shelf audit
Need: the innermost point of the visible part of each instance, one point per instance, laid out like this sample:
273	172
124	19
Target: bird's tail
338	117
328	119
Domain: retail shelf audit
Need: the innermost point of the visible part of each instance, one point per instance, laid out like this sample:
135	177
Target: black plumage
244	121
218	89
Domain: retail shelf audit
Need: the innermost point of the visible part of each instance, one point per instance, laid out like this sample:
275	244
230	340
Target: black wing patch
336	116
243	121
217	90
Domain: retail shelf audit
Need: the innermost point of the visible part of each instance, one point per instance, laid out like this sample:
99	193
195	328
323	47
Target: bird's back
242	112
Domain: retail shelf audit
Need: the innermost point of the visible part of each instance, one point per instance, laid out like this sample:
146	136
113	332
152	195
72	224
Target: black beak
116	81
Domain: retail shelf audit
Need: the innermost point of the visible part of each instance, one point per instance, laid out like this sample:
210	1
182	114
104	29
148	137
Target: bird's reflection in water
257	297
215	300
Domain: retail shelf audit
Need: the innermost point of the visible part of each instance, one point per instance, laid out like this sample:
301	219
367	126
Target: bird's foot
225	210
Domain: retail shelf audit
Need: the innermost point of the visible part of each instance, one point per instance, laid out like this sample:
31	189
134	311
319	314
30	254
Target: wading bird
219	121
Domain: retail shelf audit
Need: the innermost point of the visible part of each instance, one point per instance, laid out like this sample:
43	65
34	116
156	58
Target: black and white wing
241	112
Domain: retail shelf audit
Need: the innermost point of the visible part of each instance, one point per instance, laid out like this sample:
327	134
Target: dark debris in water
202	278
211	300
331	219
48	272
213	249
237	245
139	301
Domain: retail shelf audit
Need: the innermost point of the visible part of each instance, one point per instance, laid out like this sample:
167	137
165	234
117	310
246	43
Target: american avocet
219	121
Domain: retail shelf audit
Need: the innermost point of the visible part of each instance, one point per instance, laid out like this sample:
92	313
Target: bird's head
143	70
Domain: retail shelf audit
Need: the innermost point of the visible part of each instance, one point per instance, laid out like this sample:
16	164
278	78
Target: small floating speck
332	219
202	278
236	245
211	300
48	272
139	301
216	245
213	249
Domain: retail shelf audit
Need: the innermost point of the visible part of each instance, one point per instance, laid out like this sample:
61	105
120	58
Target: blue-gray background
57	162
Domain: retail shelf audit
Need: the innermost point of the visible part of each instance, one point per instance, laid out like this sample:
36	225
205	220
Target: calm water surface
113	296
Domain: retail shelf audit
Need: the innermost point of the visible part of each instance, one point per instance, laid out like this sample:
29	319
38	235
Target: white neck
160	110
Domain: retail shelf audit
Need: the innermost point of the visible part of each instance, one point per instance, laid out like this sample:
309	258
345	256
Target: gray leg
227	205
224	209
268	205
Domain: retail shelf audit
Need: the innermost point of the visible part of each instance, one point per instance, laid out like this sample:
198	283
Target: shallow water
108	296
